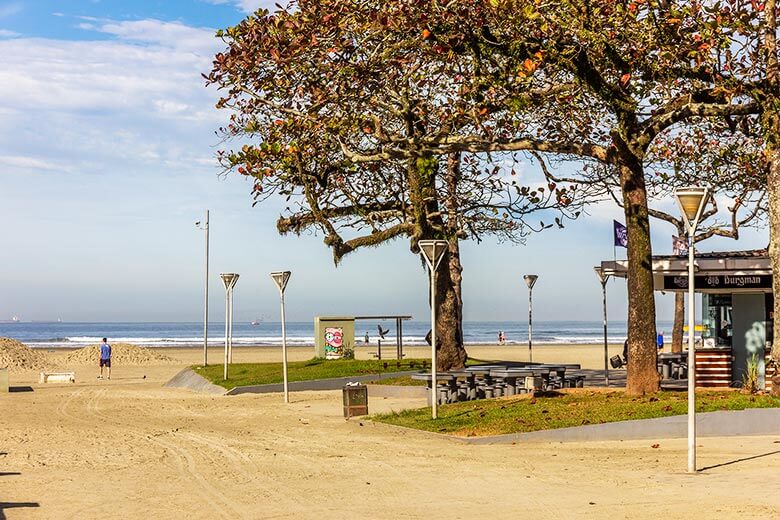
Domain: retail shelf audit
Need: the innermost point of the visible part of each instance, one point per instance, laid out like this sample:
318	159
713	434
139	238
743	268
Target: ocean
268	333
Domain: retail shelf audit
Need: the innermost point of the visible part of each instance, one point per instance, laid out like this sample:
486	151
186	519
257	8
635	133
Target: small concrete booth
737	310
333	335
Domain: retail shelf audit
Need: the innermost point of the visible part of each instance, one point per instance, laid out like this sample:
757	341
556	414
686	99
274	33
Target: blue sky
106	160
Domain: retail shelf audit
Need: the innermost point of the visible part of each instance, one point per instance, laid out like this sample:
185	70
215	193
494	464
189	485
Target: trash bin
355	400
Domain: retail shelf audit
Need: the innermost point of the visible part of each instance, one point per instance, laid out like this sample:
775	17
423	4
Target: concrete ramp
191	380
752	421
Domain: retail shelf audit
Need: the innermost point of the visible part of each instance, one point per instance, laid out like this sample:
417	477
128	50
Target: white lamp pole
692	201
604	278
229	280
281	278
530	280
433	251
205	227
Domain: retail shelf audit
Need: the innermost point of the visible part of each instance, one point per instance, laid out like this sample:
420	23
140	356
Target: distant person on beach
625	352
661	341
365	340
105	358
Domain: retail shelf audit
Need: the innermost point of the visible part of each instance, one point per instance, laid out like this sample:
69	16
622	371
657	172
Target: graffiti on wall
334	342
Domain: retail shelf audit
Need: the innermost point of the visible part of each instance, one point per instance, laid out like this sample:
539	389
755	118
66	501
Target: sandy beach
129	448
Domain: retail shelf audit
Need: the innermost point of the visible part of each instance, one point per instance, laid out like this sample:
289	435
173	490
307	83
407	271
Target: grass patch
243	374
561	410
398	381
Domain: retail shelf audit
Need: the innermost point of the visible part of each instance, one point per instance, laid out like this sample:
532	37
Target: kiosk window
717	318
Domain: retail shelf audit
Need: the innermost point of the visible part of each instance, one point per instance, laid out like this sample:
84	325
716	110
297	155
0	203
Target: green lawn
398	381
561	410
243	374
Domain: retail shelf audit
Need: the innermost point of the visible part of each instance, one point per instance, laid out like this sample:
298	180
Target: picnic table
673	365
447	390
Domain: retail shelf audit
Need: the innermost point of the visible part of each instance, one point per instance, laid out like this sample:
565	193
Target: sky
107	150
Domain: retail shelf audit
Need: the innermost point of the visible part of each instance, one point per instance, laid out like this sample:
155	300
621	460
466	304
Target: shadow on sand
12	505
744	459
20	389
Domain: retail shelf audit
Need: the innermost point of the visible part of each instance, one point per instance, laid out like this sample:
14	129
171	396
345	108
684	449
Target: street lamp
604	278
692	201
205	227
530	280
229	279
433	251
281	278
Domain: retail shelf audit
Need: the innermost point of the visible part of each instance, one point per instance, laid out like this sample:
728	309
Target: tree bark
771	125
679	319
773	156
642	372
450	352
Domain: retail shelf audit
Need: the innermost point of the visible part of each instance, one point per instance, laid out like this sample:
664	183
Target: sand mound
15	355
121	354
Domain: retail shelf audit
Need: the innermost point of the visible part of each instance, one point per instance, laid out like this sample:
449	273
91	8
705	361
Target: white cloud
27	163
135	103
167	34
5	33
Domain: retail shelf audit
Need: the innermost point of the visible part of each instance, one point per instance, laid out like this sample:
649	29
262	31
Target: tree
621	62
331	102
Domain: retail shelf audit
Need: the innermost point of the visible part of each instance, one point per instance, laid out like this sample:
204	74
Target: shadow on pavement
744	459
20	389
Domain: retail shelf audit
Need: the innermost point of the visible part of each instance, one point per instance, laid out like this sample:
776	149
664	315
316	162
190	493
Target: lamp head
433	251
603	277
530	280
281	278
229	279
692	200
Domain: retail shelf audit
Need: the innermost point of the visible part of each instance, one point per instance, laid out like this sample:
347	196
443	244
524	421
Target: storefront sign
720	281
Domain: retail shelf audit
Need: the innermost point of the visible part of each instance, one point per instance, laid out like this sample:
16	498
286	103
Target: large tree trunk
450	353
449	305
642	351
679	319
449	321
771	125
773	155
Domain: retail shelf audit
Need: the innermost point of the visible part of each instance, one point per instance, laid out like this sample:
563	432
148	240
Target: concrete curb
754	421
316	384
191	380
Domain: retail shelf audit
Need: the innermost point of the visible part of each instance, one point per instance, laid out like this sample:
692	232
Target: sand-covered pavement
128	448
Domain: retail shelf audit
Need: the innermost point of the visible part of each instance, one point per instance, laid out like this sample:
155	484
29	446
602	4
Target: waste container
355	400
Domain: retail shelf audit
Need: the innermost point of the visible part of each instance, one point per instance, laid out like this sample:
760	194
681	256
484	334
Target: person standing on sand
105	358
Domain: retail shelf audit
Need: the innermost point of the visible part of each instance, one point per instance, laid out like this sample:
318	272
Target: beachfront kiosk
737	310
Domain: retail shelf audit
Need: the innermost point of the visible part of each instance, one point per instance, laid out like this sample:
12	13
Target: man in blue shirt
105	358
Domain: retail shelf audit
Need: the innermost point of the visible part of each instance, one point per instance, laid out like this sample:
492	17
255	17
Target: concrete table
509	376
445	382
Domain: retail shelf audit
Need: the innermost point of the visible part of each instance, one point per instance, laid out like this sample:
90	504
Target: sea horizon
61	334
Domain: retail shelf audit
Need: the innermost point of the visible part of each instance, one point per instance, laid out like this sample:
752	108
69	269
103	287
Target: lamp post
530	280
433	251
281	278
691	201
604	278
205	227
229	280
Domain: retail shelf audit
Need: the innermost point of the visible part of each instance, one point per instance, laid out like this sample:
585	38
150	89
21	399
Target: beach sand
129	448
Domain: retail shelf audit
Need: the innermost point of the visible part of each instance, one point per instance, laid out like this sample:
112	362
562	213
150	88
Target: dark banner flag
621	234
